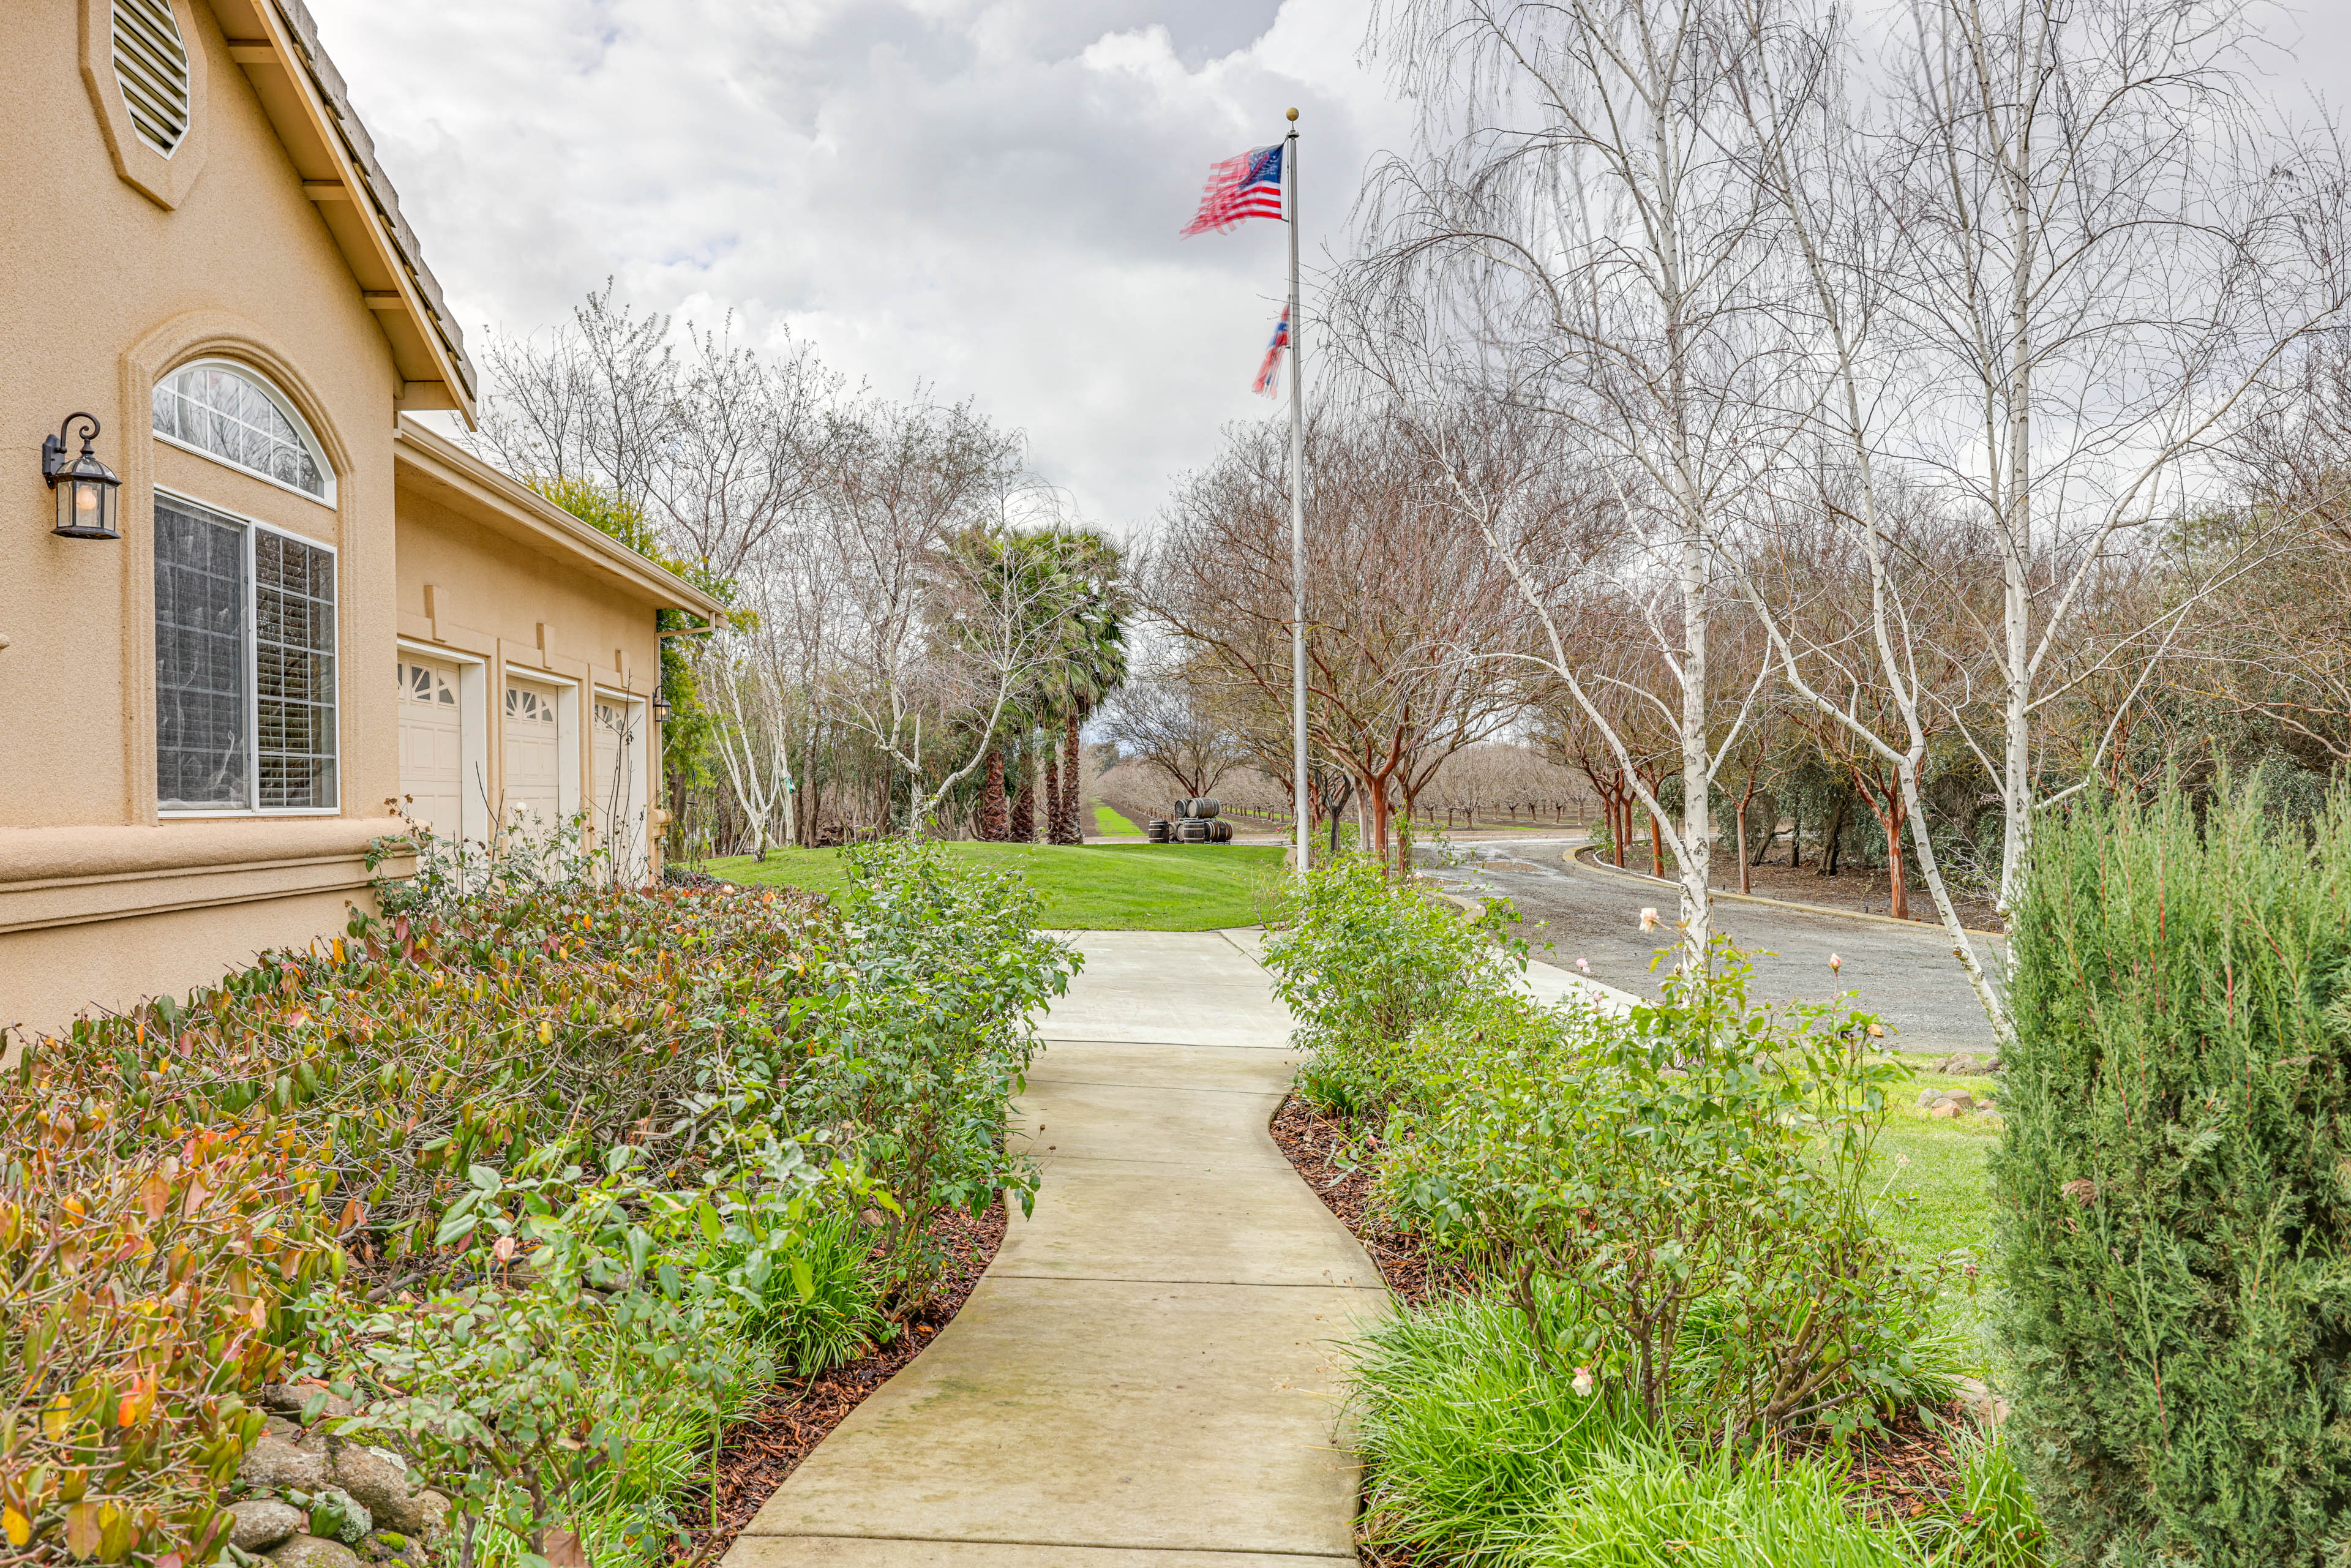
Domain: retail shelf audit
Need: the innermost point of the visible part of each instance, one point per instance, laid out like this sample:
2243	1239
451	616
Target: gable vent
151	64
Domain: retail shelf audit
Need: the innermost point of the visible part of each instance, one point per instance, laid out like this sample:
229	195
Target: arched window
227	411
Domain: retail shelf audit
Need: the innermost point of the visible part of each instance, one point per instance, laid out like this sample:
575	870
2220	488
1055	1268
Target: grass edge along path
1093	887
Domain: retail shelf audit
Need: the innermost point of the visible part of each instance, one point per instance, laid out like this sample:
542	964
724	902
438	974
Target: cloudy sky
980	194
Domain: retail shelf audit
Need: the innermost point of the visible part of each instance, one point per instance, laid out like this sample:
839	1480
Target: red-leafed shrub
146	1285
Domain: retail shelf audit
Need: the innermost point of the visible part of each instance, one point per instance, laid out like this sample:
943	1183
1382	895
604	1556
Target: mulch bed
761	1450
1900	1472
1337	1165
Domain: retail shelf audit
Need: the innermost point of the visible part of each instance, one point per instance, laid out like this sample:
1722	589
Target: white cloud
982	195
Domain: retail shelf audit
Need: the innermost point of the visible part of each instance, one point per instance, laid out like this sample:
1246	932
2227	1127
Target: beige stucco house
312	606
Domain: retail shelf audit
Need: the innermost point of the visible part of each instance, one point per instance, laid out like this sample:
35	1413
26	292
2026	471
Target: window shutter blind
151	64
200	679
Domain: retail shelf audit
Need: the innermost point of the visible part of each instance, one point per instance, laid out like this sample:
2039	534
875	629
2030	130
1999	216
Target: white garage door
534	755
432	746
620	792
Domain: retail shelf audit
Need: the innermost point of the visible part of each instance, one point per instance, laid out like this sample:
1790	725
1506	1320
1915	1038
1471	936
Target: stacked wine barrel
1194	823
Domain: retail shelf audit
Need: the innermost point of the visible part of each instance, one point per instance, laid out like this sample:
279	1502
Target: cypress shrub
2173	1190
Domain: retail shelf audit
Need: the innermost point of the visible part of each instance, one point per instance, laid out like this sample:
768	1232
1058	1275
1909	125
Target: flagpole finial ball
1293	114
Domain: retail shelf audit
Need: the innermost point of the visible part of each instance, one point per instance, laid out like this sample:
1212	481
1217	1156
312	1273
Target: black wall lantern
85	486
661	710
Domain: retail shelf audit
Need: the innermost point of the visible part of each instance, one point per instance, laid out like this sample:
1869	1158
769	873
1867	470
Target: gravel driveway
1907	977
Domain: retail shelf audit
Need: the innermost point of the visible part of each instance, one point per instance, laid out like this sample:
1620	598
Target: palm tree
1097	607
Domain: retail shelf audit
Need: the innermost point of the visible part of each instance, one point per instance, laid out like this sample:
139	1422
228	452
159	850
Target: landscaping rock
379	1479
1963	1100
292	1398
263	1521
1927	1098
309	1551
1944	1111
287	1460
1978	1400
358	1520
1965	1064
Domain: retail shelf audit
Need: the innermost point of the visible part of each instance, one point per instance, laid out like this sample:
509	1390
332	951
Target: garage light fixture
661	710
85	486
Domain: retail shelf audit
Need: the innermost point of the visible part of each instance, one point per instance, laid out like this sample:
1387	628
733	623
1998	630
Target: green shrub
2173	1192
602	1304
1644	1505
417	1048
921	1041
1362	961
752	1071
1704	1150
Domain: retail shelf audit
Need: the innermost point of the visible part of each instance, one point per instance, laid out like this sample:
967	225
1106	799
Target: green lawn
1099	887
1109	824
1940	1170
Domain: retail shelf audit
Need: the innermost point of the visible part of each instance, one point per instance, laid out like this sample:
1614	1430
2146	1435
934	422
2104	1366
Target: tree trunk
1053	823
1795	836
1023	830
1887	808
1376	799
1832	837
994	822
1746	871
1067	827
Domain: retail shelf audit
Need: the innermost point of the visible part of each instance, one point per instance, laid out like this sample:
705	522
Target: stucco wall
523	610
102	289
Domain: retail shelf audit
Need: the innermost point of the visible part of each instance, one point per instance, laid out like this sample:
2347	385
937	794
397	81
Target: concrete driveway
1906	974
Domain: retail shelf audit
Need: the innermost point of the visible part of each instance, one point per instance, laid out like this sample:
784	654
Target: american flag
1269	374
1248	186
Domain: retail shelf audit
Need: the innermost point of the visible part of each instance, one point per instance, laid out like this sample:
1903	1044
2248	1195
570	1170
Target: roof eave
277	43
523	514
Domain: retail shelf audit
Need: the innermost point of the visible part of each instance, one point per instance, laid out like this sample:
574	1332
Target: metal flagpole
1297	508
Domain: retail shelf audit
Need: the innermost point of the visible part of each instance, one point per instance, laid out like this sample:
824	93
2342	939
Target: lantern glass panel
86	506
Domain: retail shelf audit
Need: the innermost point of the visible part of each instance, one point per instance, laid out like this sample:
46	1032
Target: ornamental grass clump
2173	1193
1467	1433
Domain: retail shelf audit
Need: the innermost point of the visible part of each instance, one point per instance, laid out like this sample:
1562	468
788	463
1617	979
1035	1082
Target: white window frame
474	816
292	416
253	689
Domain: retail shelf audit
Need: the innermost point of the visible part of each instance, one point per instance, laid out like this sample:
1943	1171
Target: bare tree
595	399
753	438
1411	620
1579	235
2053	276
1165	722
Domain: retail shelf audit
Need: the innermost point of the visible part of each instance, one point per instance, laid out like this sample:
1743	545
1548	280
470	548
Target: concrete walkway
1144	1378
